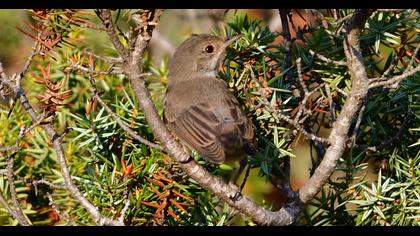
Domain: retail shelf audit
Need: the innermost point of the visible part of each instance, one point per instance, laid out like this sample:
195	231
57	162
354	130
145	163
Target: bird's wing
198	126
242	122
202	124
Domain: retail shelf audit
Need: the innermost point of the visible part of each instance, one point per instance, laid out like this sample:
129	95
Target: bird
198	106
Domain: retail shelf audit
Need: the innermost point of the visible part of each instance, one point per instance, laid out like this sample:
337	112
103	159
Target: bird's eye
209	49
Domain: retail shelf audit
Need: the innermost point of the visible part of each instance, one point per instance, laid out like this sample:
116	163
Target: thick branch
285	216
338	135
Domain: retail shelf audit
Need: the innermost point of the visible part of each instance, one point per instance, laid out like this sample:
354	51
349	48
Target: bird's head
199	56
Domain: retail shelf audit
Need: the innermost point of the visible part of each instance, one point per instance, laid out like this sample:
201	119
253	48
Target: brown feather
200	109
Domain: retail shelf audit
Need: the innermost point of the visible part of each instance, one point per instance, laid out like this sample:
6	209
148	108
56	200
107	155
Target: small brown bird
200	109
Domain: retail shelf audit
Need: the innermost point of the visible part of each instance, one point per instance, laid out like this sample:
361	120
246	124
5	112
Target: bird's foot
237	195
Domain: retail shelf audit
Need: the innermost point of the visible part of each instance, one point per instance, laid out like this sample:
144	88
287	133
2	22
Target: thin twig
326	59
85	70
106	18
29	59
18	78
413	57
302	108
52	133
394	81
300	76
116	117
127	129
287	44
358	123
283	117
20	216
109	60
404	125
391	67
52	185
284	187
11	212
341	20
58	212
342	92
331	102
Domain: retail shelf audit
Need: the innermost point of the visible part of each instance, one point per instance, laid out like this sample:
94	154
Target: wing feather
202	124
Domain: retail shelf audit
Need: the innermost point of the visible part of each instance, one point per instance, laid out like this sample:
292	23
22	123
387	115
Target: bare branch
127	129
284	17
340	24
52	134
338	135
283	185
382	81
391	67
302	108
404	125
52	185
358	123
342	92
106	18
283	117
11	180
394	81
414	57
28	62
326	59
90	71
341	20
58	212
300	76
18	78
301	129
144	36
331	102
11	212
85	70
110	60
228	193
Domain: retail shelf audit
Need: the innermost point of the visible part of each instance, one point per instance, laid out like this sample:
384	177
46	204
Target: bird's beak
231	40
222	50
